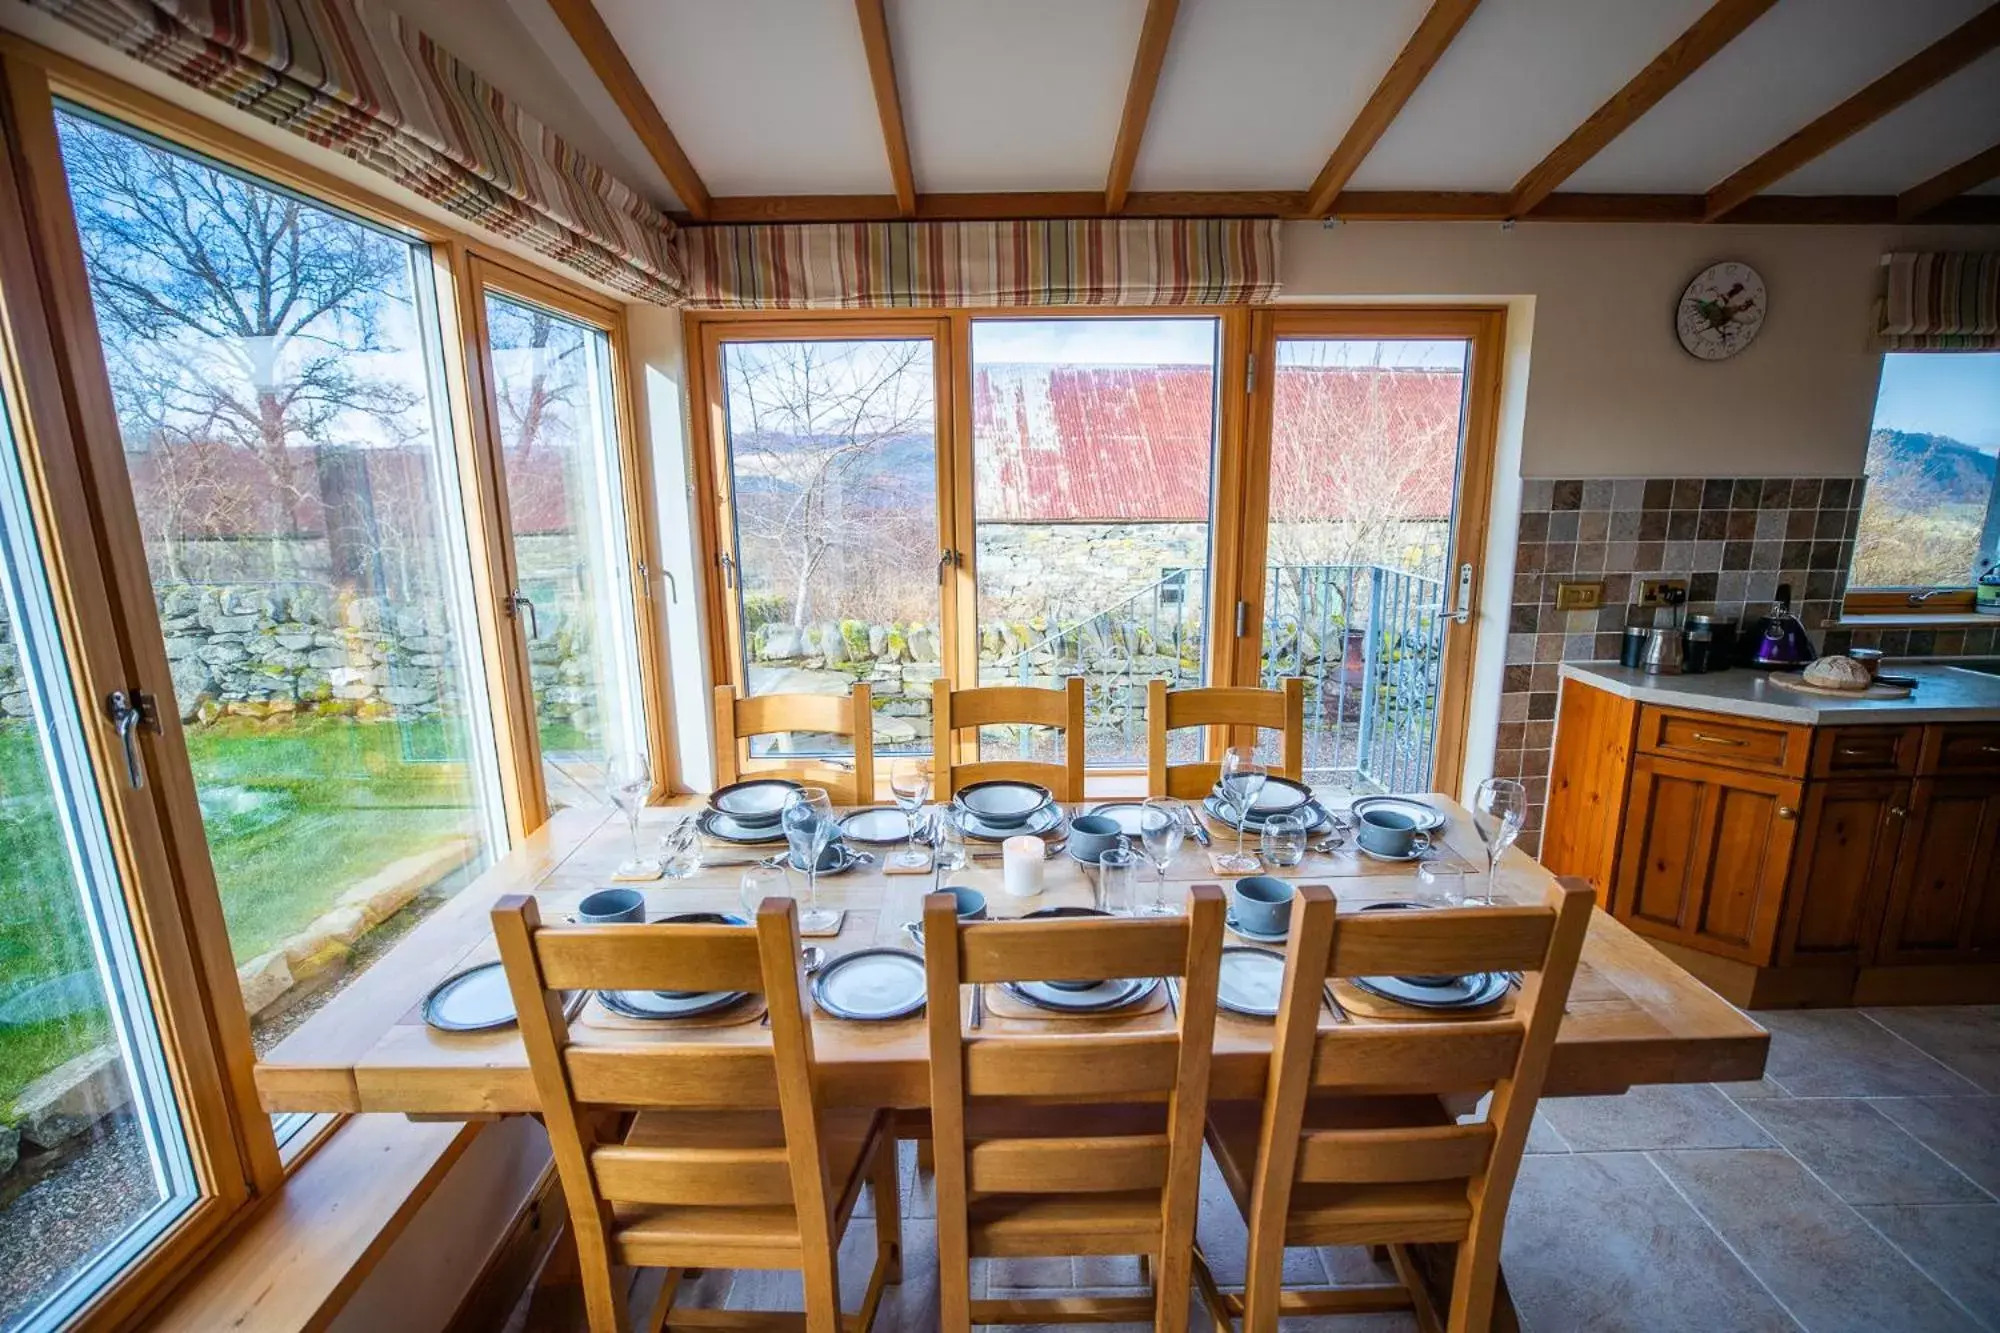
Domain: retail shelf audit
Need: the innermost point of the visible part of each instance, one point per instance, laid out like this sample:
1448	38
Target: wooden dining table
1633	1016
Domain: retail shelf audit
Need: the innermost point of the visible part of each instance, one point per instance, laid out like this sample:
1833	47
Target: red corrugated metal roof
1134	443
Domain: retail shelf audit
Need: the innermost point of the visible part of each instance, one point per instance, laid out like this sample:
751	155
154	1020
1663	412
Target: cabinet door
1944	905
1705	856
1847	855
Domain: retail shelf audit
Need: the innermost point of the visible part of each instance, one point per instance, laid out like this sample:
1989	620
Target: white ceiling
772	97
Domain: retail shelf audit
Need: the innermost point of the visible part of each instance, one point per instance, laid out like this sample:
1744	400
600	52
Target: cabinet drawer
1840	752
1968	748
1764	747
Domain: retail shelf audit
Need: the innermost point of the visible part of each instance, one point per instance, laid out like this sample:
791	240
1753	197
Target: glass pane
565	499
833	466
275	368
1927	517
93	1157
1363	484
1093	466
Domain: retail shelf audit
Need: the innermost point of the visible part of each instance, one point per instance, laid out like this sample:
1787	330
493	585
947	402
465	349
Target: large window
276	371
1928	517
94	1159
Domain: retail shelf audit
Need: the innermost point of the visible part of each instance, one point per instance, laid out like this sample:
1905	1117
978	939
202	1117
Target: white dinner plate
1251	981
881	826
475	1000
871	985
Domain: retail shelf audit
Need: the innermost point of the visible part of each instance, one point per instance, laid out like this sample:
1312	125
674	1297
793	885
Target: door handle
128	713
1786	812
516	604
1461	612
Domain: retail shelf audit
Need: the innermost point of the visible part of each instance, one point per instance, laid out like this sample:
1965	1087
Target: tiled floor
1856	1187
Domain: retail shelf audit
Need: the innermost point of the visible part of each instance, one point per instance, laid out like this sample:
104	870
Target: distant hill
1929	470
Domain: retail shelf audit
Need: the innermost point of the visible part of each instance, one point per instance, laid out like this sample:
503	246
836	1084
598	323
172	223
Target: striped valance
1039	263
353	76
1940	302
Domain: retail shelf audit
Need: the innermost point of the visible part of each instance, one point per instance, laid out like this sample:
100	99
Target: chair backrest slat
684	1076
953	711
738	719
718	958
1082	949
1397	1058
746	1177
1075	1066
1083	1165
1376	1156
1466	939
1281	710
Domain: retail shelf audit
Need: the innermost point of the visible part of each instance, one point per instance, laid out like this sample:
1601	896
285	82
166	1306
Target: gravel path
61	1221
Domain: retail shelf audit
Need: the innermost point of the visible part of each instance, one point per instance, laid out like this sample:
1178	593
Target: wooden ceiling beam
1721	25
1948	184
607	59
1426	45
888	102
1154	35
1927	68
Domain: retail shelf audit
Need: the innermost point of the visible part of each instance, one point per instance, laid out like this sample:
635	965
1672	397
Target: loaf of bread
1837	673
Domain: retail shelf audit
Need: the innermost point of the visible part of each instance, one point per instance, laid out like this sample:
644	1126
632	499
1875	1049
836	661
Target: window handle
128	713
728	570
516	604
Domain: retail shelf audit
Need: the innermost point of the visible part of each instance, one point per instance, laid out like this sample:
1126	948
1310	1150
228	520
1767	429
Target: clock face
1721	311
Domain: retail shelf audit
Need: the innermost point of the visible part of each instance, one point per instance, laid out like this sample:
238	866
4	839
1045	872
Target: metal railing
1368	639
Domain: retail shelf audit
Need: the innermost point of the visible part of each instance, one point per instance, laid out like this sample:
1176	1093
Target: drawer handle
1897	812
1858	751
1989	749
1716	740
1786	812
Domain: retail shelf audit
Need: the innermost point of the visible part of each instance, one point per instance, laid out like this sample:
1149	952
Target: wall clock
1721	311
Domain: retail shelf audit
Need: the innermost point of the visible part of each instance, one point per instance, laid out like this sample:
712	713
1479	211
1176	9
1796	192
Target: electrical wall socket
1650	590
1579	596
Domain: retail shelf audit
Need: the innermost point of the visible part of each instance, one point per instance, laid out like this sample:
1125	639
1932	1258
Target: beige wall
1609	390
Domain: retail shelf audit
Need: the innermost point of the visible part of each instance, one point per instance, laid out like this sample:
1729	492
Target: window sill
1914	620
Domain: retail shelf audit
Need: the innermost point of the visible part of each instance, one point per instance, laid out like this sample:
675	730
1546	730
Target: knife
1194	827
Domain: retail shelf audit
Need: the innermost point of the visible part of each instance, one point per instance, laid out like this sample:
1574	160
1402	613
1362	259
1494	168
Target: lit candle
1021	866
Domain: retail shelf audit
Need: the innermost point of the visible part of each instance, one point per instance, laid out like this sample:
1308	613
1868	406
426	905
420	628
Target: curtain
352	76
1943	301
1038	263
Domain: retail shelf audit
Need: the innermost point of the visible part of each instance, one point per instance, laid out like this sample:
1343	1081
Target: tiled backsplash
1733	539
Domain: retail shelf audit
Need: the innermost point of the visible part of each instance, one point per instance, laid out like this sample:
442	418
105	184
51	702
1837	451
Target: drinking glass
1162	825
628	780
910	781
947	845
1284	841
1115	875
763	881
809	827
1242	779
679	850
1498	808
1443	884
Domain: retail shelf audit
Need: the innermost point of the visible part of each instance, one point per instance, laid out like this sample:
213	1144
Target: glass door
572	585
1093	477
1359	567
831	555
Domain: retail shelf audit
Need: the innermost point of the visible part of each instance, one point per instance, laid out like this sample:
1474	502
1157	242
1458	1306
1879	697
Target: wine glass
1242	779
1162	825
679	850
809	828
1498	809
1115	866
910	781
629	782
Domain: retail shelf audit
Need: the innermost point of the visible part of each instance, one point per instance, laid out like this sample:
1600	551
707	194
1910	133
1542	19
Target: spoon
813	957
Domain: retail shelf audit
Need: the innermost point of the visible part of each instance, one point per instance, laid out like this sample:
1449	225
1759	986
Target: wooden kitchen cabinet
1944	904
1848	843
1706	854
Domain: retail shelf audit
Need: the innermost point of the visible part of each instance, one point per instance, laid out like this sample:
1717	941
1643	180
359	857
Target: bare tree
1911	535
814	434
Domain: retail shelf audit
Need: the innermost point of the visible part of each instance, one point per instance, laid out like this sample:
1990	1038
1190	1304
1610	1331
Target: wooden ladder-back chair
853	714
1354	1142
730	1161
1077	1143
1282	710
1009	706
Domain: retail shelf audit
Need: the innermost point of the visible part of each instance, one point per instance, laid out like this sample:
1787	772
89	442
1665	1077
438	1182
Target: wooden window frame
66	431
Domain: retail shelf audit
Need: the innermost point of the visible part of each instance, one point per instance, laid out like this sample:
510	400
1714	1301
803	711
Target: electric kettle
1781	643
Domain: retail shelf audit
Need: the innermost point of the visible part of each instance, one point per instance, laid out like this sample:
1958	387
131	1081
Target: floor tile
1965	1131
1964	1037
1691	1115
1763	1089
1958	1245
1844	1053
1602	1242
1861	1154
1543	1136
1831	1270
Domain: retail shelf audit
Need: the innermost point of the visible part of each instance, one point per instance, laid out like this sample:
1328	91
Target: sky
1940	393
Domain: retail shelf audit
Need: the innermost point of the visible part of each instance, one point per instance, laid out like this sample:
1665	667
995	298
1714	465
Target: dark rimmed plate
1040	824
1312	812
1251	981
844	858
754	802
468	1001
1118	993
1423	815
664	1005
1278	796
871	985
1003	803
878	826
714	824
1471	991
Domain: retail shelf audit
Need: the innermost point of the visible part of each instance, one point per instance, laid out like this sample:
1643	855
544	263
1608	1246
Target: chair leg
663	1304
1170	1294
954	1274
1474	1278
885	1185
1263	1283
822	1285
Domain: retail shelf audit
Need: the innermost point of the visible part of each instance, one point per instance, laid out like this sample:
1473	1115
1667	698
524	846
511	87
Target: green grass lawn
295	814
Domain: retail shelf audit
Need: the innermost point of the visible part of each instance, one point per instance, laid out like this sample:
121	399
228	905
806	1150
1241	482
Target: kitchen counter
1943	694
